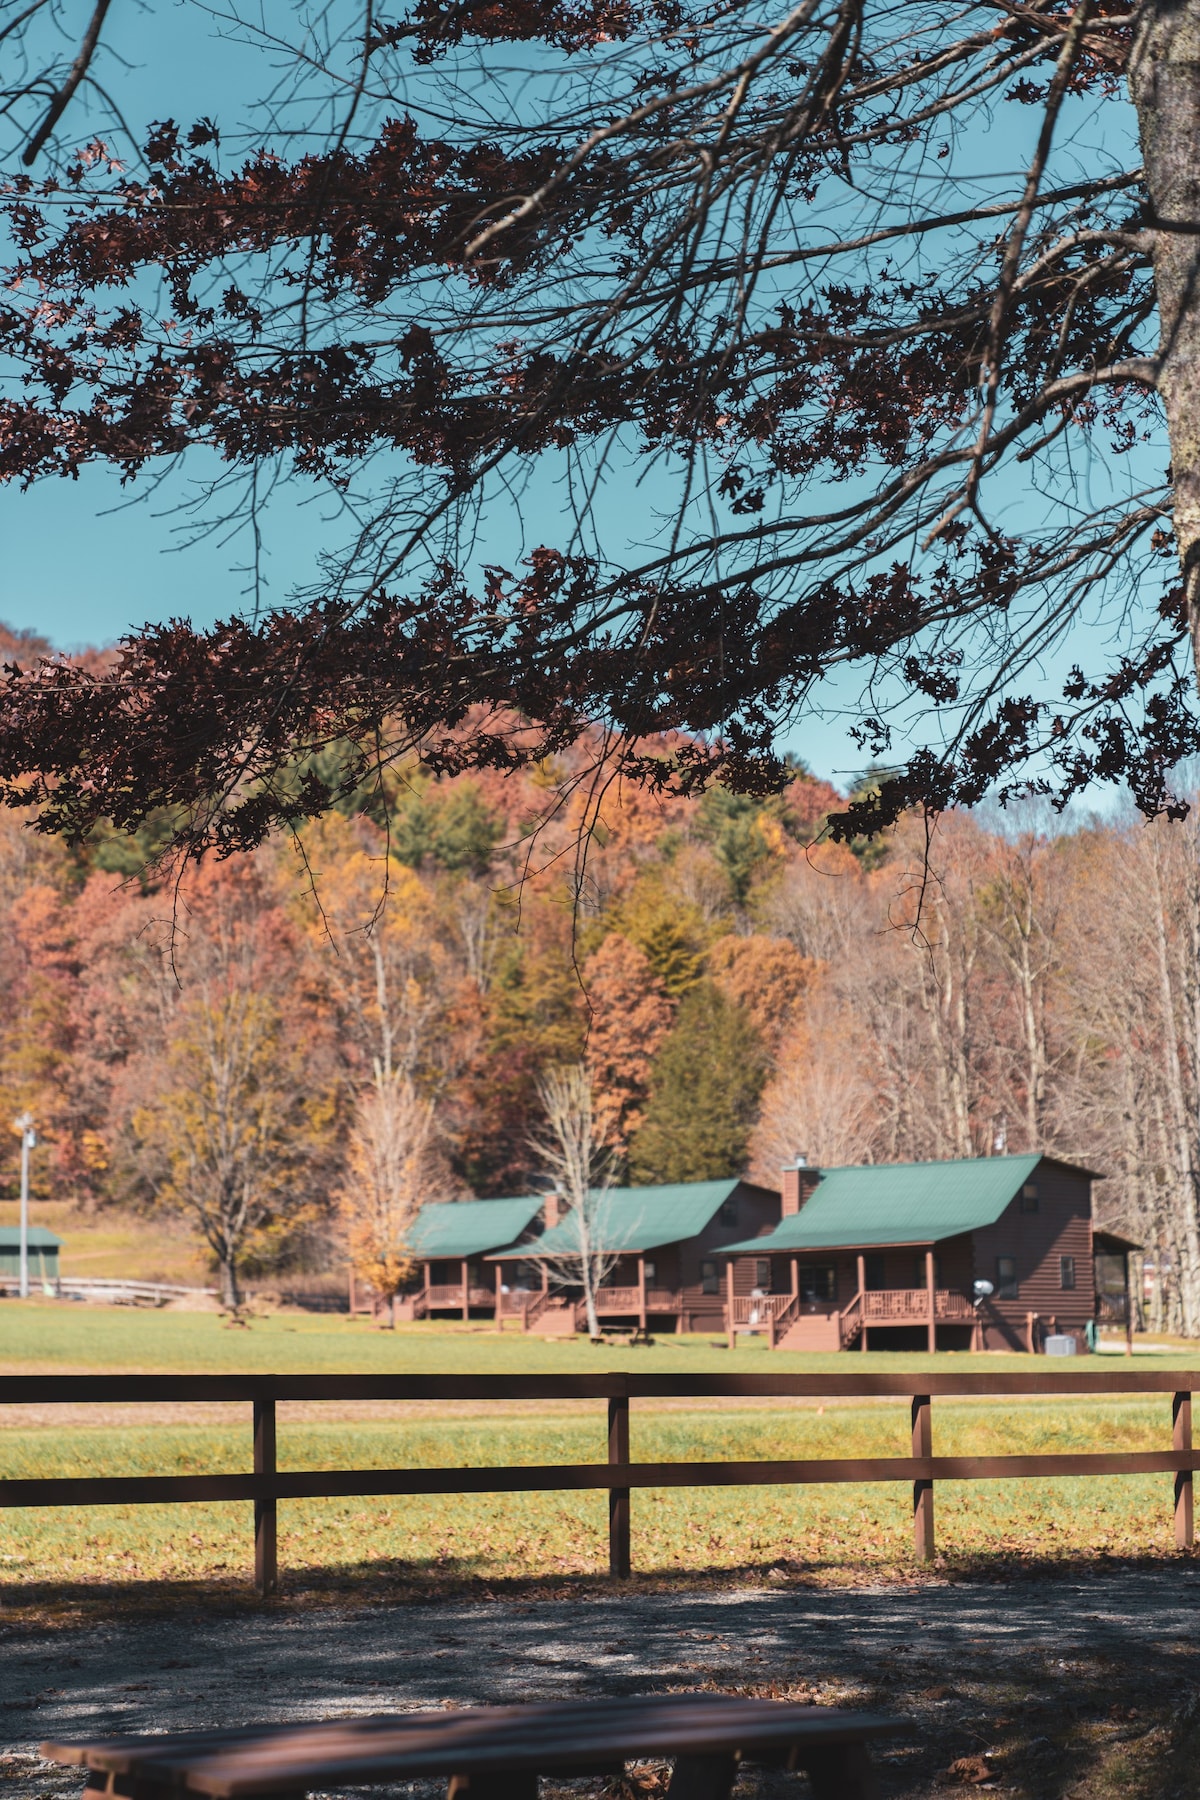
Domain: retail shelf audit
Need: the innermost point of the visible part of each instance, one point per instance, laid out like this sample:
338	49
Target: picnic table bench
494	1752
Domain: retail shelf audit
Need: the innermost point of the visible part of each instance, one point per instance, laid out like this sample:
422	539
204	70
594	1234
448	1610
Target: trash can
1058	1344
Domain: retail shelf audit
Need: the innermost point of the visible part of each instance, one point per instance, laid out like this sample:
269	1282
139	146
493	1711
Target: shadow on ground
1043	1682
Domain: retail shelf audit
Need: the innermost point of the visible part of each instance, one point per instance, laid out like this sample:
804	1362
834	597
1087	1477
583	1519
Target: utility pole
28	1139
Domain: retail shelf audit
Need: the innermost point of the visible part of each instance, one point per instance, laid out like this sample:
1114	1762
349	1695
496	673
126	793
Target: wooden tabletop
558	1737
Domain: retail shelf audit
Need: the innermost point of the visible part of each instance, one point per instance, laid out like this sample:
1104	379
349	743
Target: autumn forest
251	1046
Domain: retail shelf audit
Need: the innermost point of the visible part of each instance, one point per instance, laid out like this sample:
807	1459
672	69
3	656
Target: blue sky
83	561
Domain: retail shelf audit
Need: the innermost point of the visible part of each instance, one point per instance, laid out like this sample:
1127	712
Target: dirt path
1049	1686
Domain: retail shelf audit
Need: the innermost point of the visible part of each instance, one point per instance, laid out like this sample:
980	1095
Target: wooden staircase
823	1331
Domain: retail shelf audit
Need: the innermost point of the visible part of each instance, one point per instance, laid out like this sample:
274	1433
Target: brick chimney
798	1183
554	1210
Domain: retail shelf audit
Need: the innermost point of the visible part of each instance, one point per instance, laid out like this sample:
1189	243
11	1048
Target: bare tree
822	1100
573	1155
391	1173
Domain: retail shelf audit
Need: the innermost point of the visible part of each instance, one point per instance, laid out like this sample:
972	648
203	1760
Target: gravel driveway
1047	1686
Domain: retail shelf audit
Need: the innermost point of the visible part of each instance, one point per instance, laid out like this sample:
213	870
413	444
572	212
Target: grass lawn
836	1532
45	1336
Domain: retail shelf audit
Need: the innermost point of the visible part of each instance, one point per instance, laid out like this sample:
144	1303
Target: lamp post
28	1139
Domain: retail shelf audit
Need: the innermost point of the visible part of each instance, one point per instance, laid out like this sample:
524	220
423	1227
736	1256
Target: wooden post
922	1445
466	1292
795	1278
499	1299
642	1295
1030	1339
1181	1437
931	1296
862	1297
1128	1311
729	1304
266	1558
618	1497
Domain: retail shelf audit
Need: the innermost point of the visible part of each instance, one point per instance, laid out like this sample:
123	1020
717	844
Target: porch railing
451	1294
613	1300
911	1305
757	1309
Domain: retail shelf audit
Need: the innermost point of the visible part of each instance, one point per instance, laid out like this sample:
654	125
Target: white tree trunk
1164	84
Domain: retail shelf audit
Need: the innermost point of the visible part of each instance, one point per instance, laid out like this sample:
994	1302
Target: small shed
43	1252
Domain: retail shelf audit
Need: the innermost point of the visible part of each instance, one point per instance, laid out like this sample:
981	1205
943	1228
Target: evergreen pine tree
704	1093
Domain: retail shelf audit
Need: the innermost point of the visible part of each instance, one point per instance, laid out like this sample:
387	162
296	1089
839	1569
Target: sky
84	561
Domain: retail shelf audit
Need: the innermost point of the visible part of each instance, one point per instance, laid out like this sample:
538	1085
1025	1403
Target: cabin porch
843	1301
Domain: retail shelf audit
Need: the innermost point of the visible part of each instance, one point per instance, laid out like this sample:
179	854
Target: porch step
813	1332
554	1321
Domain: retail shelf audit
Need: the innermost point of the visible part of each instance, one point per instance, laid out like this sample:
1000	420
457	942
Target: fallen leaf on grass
971	1769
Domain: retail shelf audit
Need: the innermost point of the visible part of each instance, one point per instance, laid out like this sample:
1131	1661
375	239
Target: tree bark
227	1282
1164	85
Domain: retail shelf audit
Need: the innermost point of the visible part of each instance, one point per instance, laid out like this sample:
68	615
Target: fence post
1181	1434
618	1497
266	1560
922	1445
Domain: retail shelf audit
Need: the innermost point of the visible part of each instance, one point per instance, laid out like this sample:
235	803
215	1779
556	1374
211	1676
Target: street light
24	1125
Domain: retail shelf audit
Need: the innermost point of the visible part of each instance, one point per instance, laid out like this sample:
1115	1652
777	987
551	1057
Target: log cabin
663	1246
994	1253
449	1240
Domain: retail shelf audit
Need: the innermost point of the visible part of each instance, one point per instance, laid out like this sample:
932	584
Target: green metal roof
39	1238
458	1228
898	1203
640	1218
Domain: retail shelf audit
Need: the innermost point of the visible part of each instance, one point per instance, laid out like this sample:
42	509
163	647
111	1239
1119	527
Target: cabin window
873	1271
1029	1197
762	1274
919	1272
651	1272
818	1281
728	1212
708	1278
1006	1278
1066	1271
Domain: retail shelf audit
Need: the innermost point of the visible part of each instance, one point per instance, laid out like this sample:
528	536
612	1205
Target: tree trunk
1183	1215
1164	85
227	1282
589	1297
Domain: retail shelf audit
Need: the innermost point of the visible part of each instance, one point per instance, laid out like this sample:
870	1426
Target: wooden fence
267	1484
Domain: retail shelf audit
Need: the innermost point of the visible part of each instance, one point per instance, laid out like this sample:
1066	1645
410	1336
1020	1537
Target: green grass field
831	1531
44	1336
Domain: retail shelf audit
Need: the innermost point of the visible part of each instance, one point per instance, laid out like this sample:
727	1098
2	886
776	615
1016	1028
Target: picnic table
495	1752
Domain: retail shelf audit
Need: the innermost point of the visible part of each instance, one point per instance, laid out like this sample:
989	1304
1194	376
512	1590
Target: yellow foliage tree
232	1139
391	1172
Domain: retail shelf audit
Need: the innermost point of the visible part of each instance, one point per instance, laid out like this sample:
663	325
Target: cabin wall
43	1262
755	1212
1061	1226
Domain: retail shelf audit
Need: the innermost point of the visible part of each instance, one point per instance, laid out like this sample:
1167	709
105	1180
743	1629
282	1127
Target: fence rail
267	1484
